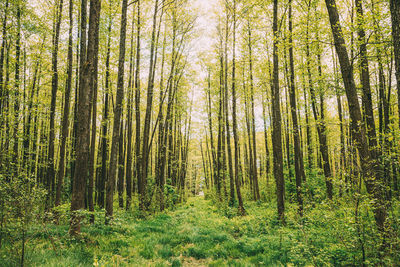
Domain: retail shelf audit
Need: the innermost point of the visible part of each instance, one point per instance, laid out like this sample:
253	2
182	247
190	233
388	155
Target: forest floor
198	233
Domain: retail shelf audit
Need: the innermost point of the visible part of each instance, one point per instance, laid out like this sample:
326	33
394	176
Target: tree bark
365	79
373	185
241	209
395	16
298	154
137	101
16	89
83	120
117	116
147	120
105	123
54	87
253	120
93	51
276	120
67	101
129	159
227	125
2	50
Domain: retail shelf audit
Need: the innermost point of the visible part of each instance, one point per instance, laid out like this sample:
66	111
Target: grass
199	233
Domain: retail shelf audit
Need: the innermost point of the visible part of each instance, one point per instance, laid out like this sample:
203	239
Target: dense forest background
218	124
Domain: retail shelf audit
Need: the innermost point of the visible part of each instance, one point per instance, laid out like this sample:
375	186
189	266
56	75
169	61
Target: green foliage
171	194
21	206
195	233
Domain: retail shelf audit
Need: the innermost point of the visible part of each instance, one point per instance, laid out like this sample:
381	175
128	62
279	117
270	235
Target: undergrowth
199	233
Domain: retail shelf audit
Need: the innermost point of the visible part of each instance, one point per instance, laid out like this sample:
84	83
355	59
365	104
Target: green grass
199	233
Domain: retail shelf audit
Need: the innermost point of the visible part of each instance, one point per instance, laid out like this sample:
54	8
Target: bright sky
203	43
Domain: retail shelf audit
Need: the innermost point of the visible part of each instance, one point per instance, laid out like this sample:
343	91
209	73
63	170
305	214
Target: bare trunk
117	117
241	210
276	120
54	87
298	154
67	101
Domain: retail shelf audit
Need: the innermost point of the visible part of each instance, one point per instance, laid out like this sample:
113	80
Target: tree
395	16
87	59
54	88
65	118
117	116
374	186
241	209
276	120
298	154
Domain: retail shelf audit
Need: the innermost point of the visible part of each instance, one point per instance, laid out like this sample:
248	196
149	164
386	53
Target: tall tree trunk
137	100
253	120
219	165
105	123
16	89
147	120
65	118
210	126
54	88
93	51
241	209
298	154
2	50
342	161
117	116
365	80
129	158
267	161
121	166
83	109
374	186
226	110
322	132
395	15
276	120
306	103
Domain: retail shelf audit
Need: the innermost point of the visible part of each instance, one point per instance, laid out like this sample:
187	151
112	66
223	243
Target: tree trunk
105	123
147	120
121	166
93	51
395	15
227	125
117	116
253	120
83	120
137	102
365	80
276	120
2	50
298	154
65	118
54	87
374	186
16	89
129	129
241	209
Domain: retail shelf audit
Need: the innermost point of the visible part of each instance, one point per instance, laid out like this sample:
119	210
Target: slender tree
241	209
67	101
117	116
298	154
276	120
54	88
